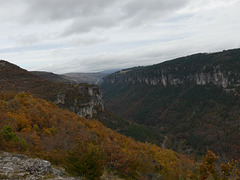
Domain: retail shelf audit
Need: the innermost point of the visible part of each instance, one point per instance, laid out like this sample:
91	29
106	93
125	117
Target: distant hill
83	99
189	99
89	78
51	76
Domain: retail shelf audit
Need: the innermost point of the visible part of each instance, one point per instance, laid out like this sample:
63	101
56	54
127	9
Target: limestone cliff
83	99
165	77
219	69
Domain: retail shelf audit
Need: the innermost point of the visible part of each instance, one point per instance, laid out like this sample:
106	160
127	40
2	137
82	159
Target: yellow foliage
51	132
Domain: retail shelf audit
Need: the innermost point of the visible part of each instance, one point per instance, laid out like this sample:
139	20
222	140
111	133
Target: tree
86	160
208	166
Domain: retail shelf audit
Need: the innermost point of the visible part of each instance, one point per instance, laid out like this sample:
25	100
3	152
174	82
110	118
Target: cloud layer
83	36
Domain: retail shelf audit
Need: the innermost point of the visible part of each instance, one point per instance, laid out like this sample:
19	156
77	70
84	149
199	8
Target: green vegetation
8	134
86	160
11	137
138	132
192	116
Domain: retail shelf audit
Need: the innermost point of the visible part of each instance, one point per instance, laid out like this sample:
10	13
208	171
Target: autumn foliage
209	168
85	147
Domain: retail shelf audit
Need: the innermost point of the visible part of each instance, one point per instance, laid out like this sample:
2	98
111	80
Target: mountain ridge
83	99
185	70
182	98
74	77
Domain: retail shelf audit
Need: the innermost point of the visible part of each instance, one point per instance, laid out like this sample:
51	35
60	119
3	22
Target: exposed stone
17	166
166	77
85	107
37	166
60	99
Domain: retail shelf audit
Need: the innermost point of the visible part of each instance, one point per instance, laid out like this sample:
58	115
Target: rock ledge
18	166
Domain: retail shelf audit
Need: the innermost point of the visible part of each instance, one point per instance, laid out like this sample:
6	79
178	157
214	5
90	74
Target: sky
63	36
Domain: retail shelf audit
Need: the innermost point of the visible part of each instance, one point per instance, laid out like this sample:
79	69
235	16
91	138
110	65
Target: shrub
10	136
86	160
208	166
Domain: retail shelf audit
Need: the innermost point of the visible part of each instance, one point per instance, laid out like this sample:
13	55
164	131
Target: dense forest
190	100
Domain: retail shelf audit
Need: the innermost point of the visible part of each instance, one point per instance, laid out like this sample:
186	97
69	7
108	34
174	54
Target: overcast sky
94	35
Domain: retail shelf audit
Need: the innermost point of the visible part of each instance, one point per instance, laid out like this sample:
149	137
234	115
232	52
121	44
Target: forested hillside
190	100
39	128
83	99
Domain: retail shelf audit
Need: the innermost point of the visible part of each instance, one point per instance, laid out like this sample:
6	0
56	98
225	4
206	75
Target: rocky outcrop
18	166
221	69
95	101
83	99
171	76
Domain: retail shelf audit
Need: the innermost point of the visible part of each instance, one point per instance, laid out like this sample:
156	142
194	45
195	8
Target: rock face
94	103
17	166
85	102
165	77
217	69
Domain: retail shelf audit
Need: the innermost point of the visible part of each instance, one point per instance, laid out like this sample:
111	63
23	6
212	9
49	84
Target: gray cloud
85	15
125	14
93	35
82	16
89	23
138	12
45	10
87	41
27	39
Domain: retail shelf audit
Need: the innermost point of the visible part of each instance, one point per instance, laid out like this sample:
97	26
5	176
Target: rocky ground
18	166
